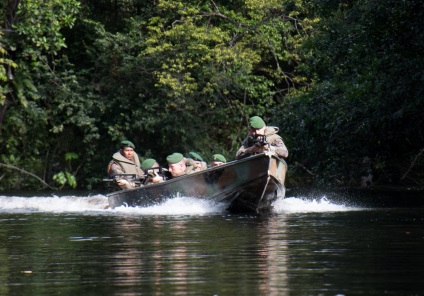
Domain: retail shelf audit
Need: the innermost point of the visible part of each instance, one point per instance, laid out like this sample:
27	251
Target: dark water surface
74	246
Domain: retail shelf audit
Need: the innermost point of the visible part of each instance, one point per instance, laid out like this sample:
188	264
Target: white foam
305	205
177	206
98	204
180	205
54	204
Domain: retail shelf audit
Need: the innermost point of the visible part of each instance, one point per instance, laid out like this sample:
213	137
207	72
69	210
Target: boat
248	185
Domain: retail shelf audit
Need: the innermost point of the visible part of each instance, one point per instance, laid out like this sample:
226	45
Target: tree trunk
3	109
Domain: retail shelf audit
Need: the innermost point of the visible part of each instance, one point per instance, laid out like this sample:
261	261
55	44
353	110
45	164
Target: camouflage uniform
196	161
190	167
204	165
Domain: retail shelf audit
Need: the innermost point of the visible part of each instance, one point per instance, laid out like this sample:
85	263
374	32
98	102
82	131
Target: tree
214	61
363	113
203	71
31	45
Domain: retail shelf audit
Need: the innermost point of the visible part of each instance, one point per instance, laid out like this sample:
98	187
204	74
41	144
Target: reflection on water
77	246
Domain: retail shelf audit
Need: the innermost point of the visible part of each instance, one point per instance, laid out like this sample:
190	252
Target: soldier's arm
245	150
279	147
116	169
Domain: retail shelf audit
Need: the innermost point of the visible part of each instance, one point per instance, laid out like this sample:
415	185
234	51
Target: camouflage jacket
275	143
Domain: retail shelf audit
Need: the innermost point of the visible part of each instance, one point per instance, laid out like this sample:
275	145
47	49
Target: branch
9	166
303	167
177	21
216	6
253	28
413	163
218	14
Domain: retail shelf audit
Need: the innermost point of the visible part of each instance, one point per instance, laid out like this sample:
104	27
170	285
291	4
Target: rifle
261	140
128	177
159	171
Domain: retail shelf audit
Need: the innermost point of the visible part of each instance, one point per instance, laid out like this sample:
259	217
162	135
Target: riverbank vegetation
343	80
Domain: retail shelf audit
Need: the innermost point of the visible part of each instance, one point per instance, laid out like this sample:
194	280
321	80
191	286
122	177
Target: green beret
174	158
195	156
148	164
256	122
219	157
127	143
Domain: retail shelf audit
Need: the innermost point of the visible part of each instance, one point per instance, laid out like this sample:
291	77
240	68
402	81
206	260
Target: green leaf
70	156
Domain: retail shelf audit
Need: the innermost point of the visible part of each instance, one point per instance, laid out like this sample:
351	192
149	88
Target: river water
75	245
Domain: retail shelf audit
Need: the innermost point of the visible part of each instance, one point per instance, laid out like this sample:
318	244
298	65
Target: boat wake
176	206
306	205
98	204
53	204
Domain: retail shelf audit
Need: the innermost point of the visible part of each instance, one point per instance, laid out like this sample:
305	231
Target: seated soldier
218	159
125	161
178	165
199	163
153	171
261	138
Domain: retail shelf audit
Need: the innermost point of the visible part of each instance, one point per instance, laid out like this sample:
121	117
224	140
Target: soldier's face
198	165
177	169
257	131
128	153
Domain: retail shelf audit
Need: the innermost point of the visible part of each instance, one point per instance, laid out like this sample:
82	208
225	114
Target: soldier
125	161
218	159
199	163
178	165
153	170
261	138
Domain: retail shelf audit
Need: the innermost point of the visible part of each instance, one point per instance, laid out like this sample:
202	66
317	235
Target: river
75	245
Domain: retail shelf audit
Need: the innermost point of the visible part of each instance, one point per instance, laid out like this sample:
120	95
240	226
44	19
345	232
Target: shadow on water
384	197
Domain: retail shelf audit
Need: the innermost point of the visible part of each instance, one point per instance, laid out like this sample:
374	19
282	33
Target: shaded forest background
344	81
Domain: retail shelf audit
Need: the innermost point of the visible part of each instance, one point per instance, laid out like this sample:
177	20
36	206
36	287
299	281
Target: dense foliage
362	113
343	80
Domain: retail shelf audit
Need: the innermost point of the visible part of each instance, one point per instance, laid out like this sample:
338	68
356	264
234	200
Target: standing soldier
262	138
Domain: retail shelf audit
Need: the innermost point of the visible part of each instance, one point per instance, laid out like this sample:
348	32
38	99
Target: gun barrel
129	177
